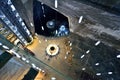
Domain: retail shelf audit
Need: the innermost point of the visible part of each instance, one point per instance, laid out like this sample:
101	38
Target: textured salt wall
113	4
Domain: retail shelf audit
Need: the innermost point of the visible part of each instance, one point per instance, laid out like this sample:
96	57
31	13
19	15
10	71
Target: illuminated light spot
43	71
7	22
9	2
37	68
97	43
31	24
65	57
13	51
56	32
43	8
27	61
2	16
73	55
14	28
25	28
5	47
18	34
97	64
33	65
98	74
44	15
82	56
67	52
31	36
70	44
83	69
118	56
28	32
11	26
51	24
53	78
22	24
62	28
39	41
56	3
46	40
18	56
13	8
63	31
87	51
80	19
110	72
36	34
20	19
69	41
23	40
17	15
0	44
42	3
20	37
71	30
42	28
23	58
40	69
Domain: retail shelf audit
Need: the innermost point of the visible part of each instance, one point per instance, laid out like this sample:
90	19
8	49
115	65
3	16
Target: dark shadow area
86	76
115	9
31	74
49	22
4	58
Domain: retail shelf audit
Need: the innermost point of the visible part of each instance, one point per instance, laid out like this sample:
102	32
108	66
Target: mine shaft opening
49	22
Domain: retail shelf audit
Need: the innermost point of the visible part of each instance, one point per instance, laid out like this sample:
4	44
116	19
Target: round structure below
52	50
